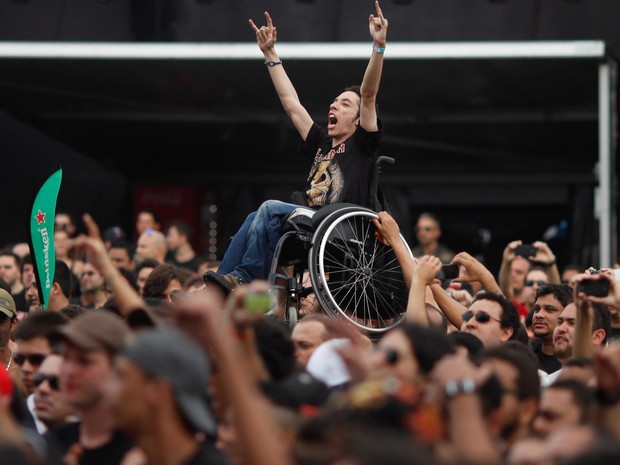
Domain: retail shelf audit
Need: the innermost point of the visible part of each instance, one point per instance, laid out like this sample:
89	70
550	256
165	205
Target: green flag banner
42	235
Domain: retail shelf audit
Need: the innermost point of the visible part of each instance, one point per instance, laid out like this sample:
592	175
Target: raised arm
266	36
92	245
504	271
372	77
390	234
472	270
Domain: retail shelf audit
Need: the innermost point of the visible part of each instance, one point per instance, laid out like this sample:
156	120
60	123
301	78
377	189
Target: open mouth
331	121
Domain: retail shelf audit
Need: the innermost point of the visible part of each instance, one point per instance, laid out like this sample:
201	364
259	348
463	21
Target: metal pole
605	195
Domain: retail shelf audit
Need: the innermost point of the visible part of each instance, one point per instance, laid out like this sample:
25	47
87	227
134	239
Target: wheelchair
354	275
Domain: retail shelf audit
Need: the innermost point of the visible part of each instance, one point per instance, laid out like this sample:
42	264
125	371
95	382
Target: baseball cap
96	329
168	353
7	304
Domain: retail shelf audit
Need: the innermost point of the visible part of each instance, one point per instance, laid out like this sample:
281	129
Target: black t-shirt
547	363
62	437
20	301
192	264
340	173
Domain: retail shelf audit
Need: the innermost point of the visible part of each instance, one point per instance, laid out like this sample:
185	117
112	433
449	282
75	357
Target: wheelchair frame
355	276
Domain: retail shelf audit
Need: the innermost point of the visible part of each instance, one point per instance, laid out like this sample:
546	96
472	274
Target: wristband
378	49
461	386
273	63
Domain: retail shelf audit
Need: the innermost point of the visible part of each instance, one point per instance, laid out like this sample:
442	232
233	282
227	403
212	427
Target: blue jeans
251	250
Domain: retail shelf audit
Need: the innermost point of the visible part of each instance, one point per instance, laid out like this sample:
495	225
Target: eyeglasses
530	283
33	359
51	379
481	316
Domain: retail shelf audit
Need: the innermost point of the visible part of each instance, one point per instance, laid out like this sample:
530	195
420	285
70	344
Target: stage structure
534	118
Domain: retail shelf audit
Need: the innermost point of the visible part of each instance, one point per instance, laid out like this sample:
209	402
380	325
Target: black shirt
20	300
62	437
547	363
340	173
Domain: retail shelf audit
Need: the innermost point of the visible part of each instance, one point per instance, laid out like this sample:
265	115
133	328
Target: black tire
356	277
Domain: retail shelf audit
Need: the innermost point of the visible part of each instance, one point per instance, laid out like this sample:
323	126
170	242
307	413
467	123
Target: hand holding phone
448	272
593	287
525	251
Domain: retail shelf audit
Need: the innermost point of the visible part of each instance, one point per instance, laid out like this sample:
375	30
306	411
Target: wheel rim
358	277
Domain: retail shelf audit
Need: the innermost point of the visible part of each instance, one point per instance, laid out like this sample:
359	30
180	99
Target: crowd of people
148	354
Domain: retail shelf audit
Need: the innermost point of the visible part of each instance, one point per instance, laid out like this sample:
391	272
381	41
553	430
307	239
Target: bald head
151	244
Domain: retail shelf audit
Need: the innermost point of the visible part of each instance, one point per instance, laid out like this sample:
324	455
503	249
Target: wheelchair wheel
355	276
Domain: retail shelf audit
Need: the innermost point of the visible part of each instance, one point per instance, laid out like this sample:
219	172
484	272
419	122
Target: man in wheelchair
343	156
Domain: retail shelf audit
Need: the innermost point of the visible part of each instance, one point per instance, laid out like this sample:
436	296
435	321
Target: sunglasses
51	379
33	359
530	283
481	316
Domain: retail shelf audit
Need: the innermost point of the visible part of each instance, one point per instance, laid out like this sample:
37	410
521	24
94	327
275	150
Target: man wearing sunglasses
492	318
32	346
32	343
50	406
428	232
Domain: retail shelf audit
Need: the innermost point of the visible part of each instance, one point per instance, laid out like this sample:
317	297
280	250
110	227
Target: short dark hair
354	88
524	360
72	311
64	278
39	323
573	267
123	244
510	314
183	228
601	319
153	213
430	216
470	342
16	258
26	260
146	263
582	395
428	344
563	293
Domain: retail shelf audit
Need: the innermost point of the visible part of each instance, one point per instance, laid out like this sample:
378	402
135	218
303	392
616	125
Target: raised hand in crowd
545	257
613	296
472	270
217	332
92	245
456	381
506	280
424	274
389	233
